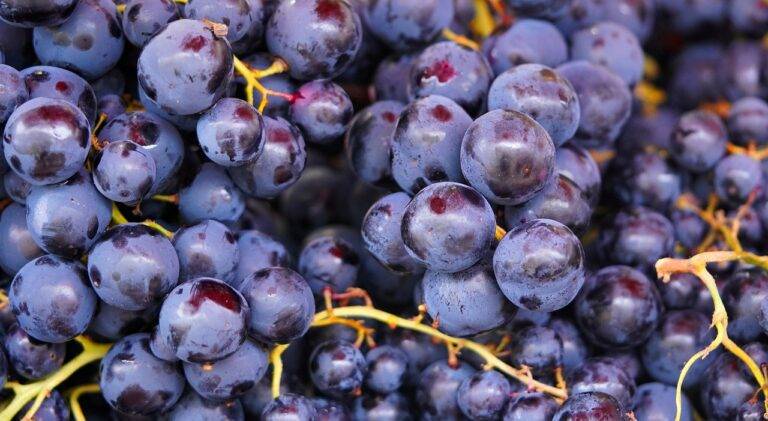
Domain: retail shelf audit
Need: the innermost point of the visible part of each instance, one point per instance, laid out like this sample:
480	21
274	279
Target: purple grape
322	110
406	25
694	76
330	37
539	348
427	142
637	16
193	406
53	408
208	249
142	19
51	299
699	141
390	80
437	390
577	164
111	106
575	351
526	41
736	177
603	375
561	200
185	68
112	323
649	131
27	14
328	410
740	71
337	368
381	231
646	179
329	261
748	121
289	407
13	93
124	172
19	246
728	383
637	236
391	407
123	378
681	292
484	395
589	406
541	93
230	133
229	377
46	140
387	367
30	358
368	142
530	407
578	14
743	295
611	45
657	401
244	19
258	251
212	195
133	267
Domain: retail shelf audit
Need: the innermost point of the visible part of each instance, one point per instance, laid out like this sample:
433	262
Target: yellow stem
252	77
167	198
120	8
460	39
482	25
277	367
74	395
152	224
500	233
117	217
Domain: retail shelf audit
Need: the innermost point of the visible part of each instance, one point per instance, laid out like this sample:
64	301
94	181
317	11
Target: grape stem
482	25
24	393
167	198
74	395
252	83
460	39
500	233
118	219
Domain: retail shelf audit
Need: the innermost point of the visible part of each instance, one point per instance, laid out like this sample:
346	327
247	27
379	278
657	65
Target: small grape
405	25
589	405
322	110
229	377
192	406
124	172
212	195
231	132
484	395
337	368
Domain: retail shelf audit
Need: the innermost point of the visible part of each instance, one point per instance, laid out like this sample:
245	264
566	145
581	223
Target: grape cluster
383	210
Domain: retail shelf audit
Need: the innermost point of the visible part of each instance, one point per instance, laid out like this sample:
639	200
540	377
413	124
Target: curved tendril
74	395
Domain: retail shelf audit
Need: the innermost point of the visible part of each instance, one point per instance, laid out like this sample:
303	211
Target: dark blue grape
742	295
391	407
30	358
420	349
740	71
277	106
112	83
589	406
426	144
259	396
543	94
679	335
212	195
112	323
192	406
244	18
751	410
604	99
618	307
89	43
133	267
13	93
484	395
603	375
681	292
124	172
289	407
368	142
185	68
53	408
330	37
185	123
526	41
637	236
747	16
698	141
329	261
507	156
28	14
229	377
19	246
51	299
316	199
728	383
381	231
390	80
258	251
748	121
657	401
337	369
156	136
142	19
387	367
328	410
750	227
690	229
578	14
387	288
577	164
111	106
123	378
322	110
453	71
575	351
230	133
46	140
539	265
611	45
646	132
637	16
67	218
736	176
404	25
281	304
203	320
694	72
530	407
561	200
467	302
539	348
280	164
646	179
448	227
208	249
437	390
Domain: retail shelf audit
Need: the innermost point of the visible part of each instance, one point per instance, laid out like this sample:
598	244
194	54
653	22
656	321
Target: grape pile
384	210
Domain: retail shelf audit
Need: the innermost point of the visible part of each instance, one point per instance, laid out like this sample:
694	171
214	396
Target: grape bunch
383	210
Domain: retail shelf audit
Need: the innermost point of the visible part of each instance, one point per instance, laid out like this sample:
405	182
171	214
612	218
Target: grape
747	16
289	407
212	195
526	41
657	401
647	132
133	267
258	251
387	288
575	351
390	81
646	179
577	164
618	307
681	292
14	91
386	369
690	229
381	230
578	14
391	407
740	70
679	335
539	348
46	140
637	236
448	227
727	383
123	378
112	323
531	407
368	142
329	261
316	199
329	38
539	265
230	377
29	14
322	110
437	391
208	249
89	43
421	351
560	200
280	164
751	410
406	25
30	358
748	121
53	408
736	176
453	71
694	75
123	172
337	368
67	218
277	106
19	246
142	19
484	395
244	19
185	123
589	406
111	106
156	136
604	100
611	45
203	320
541	93
637	16
51	299
192	406
742	295
280	303
185	68
699	140
328	410
467	302
602	375
427	141
230	133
